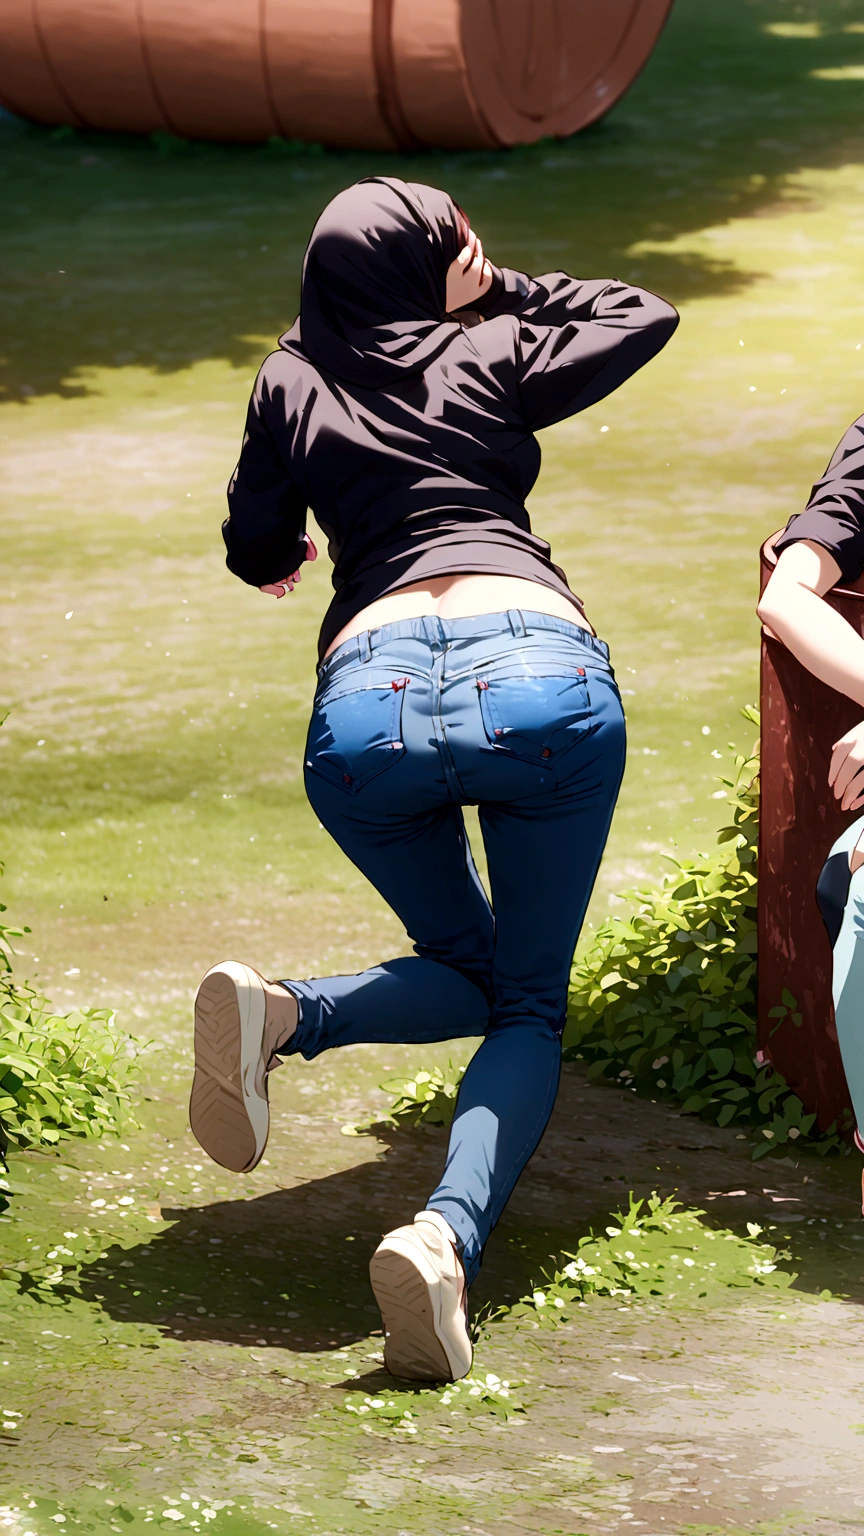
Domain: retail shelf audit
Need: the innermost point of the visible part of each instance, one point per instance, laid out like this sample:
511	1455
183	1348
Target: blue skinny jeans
841	898
519	714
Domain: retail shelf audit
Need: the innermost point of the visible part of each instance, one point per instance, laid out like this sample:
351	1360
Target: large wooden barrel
379	74
799	821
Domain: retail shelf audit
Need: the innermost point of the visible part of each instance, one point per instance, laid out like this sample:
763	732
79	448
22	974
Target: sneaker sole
407	1290
229	1115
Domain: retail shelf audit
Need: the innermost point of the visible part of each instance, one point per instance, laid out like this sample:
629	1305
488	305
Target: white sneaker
240	1021
419	1284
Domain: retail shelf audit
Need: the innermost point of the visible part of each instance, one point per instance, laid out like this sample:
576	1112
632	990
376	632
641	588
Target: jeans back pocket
356	732
534	715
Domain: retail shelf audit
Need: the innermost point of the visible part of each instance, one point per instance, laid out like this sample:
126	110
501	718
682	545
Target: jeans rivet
546	752
347	778
499	733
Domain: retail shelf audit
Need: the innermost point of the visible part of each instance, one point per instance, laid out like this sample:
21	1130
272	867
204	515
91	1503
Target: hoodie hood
375	281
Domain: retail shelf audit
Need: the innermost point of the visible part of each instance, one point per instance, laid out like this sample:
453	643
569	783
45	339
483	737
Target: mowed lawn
153	815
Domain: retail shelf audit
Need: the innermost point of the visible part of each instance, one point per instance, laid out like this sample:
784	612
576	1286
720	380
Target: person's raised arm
602	333
820	546
555	298
793	609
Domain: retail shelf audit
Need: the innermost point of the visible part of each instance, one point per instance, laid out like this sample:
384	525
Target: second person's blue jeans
519	714
840	895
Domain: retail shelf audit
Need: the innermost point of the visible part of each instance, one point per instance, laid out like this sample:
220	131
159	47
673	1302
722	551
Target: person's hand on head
288	583
469	276
846	773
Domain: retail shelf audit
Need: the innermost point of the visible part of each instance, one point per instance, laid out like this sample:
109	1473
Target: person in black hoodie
456	667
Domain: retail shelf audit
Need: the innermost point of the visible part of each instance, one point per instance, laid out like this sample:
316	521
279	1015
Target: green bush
427	1098
664	1001
60	1074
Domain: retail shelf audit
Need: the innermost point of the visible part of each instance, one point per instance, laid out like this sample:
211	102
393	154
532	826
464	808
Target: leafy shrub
427	1098
60	1074
667	1252
664	1001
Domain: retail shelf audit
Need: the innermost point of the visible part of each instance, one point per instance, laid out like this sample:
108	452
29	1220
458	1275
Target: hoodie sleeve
556	298
266	520
834	515
579	340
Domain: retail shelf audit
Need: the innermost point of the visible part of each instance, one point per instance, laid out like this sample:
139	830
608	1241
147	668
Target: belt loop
364	646
432	629
517	623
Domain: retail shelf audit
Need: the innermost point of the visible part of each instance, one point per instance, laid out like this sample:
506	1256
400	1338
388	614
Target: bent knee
541	1022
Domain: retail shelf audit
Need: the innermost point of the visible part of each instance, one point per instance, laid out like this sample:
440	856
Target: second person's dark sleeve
834	515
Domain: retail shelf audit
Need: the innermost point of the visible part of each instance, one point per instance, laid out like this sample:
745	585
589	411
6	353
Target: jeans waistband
431	629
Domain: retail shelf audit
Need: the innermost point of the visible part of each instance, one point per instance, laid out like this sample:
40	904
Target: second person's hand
846	772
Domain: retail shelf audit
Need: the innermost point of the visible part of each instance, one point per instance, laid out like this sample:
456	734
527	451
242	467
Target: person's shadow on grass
286	1268
290	1268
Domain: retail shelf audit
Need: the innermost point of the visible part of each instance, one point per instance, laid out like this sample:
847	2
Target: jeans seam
454	785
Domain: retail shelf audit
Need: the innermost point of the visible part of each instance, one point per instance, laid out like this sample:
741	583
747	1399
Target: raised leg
422	866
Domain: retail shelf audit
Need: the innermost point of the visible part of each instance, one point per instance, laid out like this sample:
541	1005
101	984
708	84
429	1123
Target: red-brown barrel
377	74
799	821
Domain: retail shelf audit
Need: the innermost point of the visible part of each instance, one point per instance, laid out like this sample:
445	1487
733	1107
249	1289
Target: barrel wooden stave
96	49
322	70
432	82
207	66
28	85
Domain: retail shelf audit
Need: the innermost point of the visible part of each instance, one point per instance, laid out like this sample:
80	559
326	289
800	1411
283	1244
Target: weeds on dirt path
405	1412
664	1251
427	1098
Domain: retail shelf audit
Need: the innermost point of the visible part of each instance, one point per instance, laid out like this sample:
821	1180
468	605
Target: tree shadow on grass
290	1268
116	255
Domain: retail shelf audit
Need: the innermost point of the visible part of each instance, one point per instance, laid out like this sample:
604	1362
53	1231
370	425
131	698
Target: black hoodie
409	432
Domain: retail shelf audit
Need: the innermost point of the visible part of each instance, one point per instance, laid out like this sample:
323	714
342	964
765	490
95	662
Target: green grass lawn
153	817
162	723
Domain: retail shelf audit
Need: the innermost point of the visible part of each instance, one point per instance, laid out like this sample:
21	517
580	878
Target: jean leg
406	1001
543	856
422	866
505	1099
848	989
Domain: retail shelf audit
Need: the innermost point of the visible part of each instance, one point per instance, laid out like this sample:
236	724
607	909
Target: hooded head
372	307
